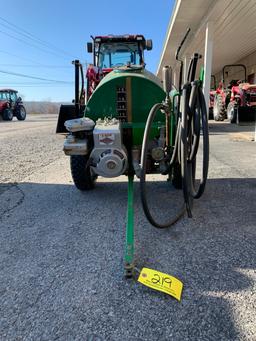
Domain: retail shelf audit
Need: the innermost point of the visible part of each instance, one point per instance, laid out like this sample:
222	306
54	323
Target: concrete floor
61	250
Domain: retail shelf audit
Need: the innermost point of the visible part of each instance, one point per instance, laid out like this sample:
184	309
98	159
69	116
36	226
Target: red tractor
242	105
11	105
235	100
106	50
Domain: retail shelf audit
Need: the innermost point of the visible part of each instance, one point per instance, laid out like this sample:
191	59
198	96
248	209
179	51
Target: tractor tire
21	113
7	115
210	113
176	176
219	111
232	112
82	176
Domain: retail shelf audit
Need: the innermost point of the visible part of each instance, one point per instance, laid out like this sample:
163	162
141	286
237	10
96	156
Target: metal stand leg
129	249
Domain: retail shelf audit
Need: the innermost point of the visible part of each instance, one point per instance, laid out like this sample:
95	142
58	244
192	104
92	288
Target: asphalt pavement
62	250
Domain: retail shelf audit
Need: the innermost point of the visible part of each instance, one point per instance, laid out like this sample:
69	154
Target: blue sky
66	26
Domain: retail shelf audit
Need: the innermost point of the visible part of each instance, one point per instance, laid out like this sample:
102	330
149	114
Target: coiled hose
144	152
193	119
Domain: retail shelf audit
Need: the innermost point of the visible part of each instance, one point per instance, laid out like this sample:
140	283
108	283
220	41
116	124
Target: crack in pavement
18	203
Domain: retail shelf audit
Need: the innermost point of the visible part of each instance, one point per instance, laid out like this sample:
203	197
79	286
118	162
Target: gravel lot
61	250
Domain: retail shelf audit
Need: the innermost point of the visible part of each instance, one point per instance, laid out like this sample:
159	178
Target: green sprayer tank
127	95
107	122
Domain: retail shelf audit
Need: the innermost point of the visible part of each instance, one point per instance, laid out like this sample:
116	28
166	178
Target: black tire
219	111
176	176
7	115
21	113
232	113
81	173
211	113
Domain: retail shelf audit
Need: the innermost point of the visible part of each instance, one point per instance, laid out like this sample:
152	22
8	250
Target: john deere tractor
126	123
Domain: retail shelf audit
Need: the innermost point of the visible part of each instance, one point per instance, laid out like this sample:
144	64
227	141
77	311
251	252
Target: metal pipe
181	66
82	83
77	97
129	249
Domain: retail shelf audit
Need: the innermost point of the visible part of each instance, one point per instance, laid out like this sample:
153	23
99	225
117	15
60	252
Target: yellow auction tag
162	282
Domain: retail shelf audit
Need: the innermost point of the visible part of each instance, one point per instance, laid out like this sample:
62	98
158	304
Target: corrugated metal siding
234	30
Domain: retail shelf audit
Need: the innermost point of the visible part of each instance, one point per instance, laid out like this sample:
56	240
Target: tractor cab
8	95
112	52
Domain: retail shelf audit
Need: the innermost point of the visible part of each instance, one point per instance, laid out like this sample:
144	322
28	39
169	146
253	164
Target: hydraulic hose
184	145
145	145
193	111
193	120
205	162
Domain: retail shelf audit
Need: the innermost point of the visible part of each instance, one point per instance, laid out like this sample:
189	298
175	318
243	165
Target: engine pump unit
109	156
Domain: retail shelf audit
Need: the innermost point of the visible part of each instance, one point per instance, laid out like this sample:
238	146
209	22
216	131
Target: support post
255	126
208	62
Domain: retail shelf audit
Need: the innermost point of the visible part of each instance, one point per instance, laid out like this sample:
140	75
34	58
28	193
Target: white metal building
223	31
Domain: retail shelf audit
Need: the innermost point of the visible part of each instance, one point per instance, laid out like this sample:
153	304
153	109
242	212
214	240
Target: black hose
82	83
194	112
184	144
190	137
193	119
205	162
143	191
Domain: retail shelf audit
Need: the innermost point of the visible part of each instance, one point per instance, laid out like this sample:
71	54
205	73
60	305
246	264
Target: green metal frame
142	90
129	248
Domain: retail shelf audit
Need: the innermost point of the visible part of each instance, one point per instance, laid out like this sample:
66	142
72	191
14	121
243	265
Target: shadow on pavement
61	266
245	127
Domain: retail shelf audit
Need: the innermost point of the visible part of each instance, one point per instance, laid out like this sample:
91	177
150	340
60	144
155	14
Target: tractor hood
128	94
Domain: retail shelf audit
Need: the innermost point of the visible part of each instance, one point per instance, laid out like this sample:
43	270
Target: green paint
129	249
146	91
201	75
